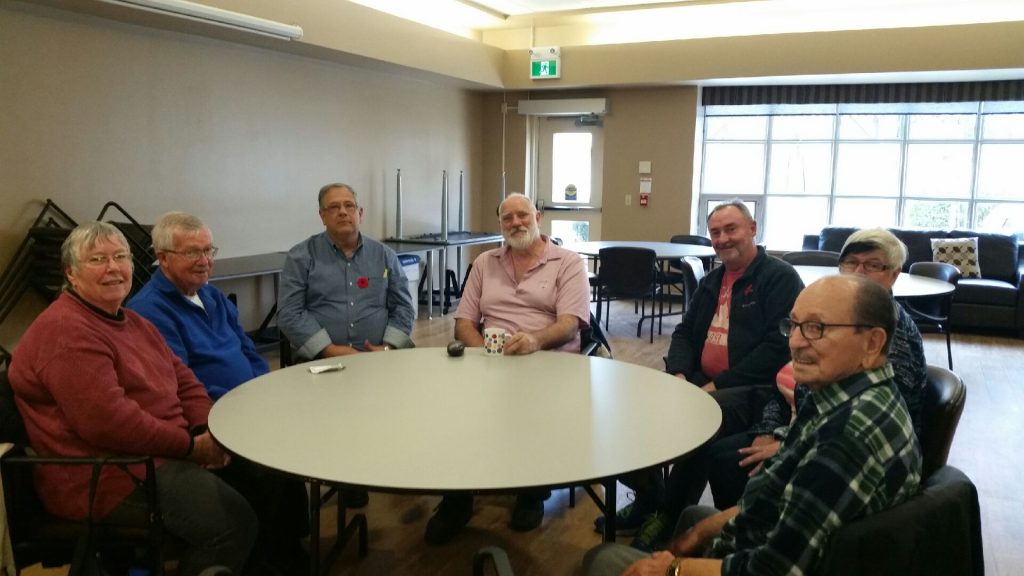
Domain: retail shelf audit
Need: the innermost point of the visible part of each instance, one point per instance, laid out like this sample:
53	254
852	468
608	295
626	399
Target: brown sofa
994	301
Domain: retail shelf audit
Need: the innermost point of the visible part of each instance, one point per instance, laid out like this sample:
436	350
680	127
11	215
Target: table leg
610	500
314	528
442	278
606	506
342	536
429	269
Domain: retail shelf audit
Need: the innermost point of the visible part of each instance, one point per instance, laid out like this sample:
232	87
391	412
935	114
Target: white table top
663	250
418	420
907	285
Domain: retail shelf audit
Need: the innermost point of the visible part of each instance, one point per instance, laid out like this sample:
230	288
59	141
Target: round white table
662	250
907	285
420	421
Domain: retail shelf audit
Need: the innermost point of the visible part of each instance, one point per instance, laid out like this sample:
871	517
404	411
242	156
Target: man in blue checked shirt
341	292
850	453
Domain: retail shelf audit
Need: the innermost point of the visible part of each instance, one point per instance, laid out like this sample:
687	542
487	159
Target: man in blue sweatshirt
201	326
198	322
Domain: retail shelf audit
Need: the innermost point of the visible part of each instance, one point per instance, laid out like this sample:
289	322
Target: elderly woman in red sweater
92	378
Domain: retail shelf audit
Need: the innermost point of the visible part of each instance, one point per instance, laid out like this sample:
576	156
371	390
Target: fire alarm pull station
644	196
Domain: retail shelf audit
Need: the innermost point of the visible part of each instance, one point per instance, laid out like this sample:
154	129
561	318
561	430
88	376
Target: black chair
592	338
39	537
944	399
695	240
497	556
812	258
628	273
938	531
684	275
693	273
931	313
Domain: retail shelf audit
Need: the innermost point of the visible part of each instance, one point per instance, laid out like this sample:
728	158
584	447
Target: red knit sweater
89	384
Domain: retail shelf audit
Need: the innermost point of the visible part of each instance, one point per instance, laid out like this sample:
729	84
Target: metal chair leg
949	349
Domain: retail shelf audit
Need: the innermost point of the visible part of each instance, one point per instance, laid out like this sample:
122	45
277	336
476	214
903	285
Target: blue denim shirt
326	298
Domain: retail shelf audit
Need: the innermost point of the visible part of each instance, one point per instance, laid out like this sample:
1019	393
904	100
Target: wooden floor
986	448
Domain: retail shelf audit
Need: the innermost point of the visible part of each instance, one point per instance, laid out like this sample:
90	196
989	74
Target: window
570	167
806	166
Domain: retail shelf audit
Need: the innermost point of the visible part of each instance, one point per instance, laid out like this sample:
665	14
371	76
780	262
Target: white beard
524	241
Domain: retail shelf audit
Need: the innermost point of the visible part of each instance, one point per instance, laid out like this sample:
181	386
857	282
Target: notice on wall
645	185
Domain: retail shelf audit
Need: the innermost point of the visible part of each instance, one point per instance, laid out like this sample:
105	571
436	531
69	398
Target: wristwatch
674	569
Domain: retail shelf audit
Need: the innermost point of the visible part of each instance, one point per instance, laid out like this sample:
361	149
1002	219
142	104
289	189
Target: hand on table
337	350
521	343
375	347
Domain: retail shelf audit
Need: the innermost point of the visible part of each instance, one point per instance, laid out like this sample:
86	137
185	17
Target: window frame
980	111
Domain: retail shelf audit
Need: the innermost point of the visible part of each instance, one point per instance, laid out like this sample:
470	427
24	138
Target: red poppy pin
363	282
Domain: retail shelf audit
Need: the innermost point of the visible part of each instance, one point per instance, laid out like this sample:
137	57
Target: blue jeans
216	524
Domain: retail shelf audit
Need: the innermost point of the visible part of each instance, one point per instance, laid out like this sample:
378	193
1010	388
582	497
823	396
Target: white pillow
960	252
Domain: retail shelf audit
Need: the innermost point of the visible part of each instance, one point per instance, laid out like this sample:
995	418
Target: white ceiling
521	7
516	24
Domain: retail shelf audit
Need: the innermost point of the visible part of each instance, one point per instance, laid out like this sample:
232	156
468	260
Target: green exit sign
545	62
544	69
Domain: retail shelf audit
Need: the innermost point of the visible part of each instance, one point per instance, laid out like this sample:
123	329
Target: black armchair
938	531
812	258
944	399
39	537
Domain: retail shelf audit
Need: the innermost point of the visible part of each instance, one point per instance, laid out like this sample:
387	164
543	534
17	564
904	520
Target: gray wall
94	110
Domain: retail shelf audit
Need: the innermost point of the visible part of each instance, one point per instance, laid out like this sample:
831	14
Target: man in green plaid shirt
850	453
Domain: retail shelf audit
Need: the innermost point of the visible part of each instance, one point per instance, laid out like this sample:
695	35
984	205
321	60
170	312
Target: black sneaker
355	497
527	514
628	520
450	516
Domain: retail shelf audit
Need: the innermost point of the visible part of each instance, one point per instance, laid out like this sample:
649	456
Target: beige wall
654	124
657	125
97	110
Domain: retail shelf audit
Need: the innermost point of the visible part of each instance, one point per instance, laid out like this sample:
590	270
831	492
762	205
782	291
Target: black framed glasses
335	208
869	266
195	254
812	330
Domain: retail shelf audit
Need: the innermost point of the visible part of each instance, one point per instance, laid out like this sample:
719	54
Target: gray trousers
216	524
613	559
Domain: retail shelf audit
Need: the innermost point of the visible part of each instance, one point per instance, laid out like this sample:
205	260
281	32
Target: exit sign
545	62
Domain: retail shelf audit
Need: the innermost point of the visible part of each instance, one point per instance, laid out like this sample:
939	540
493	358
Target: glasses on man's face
101	260
812	330
868	265
337	207
194	254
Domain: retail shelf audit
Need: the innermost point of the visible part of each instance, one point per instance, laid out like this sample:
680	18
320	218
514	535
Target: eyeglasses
335	208
194	254
812	330
101	260
869	266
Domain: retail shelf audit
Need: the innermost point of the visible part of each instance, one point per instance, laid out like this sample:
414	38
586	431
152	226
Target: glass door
567	176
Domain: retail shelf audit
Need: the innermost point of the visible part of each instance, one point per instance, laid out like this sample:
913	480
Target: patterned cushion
960	252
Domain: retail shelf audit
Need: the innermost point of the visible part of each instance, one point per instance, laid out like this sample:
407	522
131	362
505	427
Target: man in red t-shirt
728	342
